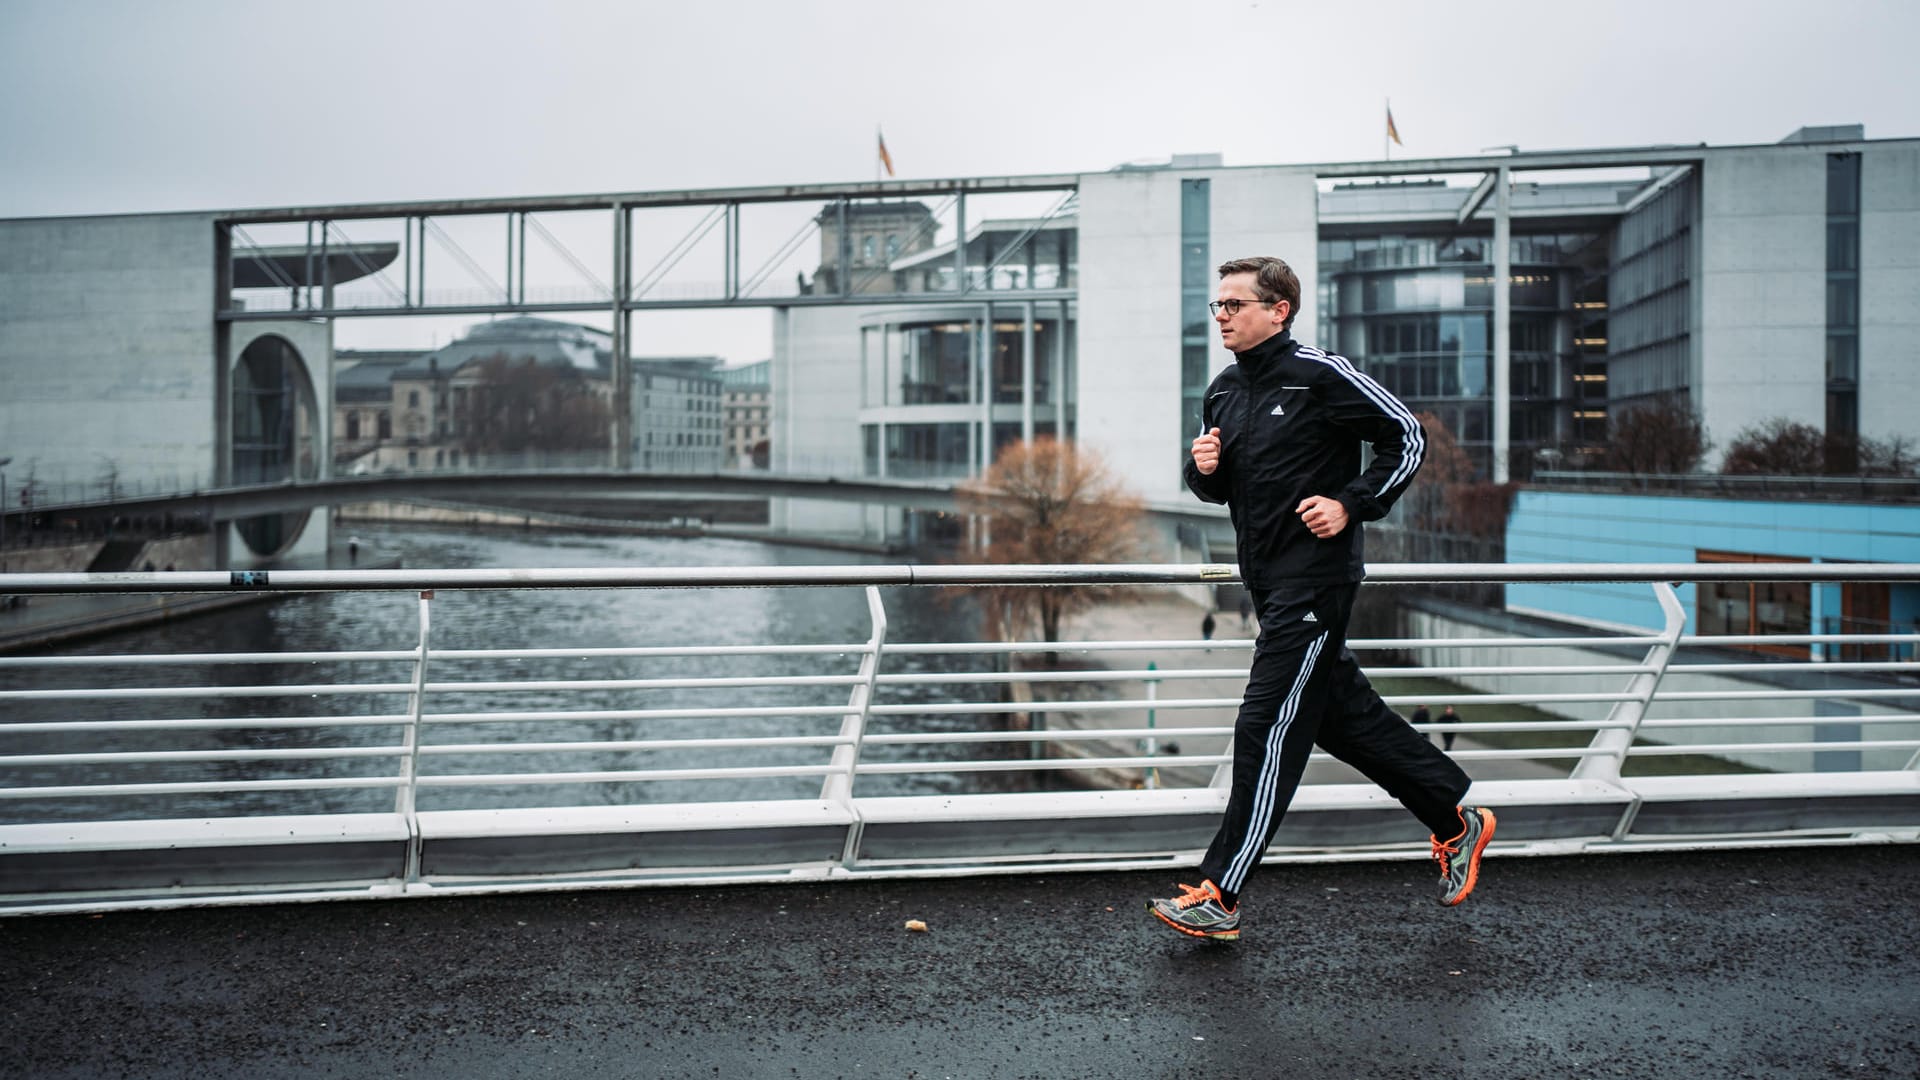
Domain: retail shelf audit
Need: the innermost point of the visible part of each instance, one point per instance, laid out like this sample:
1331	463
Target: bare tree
1048	502
1450	514
522	405
1895	456
1444	469
1663	438
1782	447
1777	447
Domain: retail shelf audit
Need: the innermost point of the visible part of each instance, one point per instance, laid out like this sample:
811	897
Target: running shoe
1199	912
1459	858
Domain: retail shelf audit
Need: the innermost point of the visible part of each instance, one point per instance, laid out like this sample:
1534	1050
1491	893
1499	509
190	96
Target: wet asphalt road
1764	964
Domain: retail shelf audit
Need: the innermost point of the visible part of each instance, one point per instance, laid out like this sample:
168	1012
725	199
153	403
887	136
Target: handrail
589	736
695	577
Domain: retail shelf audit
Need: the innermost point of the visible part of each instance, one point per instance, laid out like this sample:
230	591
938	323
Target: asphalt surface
1781	963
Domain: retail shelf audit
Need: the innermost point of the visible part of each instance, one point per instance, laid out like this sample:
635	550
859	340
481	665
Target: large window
935	367
1758	607
922	451
1843	310
1008	343
1196	288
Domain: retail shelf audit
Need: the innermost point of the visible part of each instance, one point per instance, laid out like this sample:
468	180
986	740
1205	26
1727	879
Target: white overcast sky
153	105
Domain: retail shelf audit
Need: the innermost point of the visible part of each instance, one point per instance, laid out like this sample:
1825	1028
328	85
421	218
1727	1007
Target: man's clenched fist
1206	452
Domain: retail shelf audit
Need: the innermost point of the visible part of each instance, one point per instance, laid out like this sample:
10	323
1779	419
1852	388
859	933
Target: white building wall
107	351
1272	212
1762	290
1129	348
1889	291
815	384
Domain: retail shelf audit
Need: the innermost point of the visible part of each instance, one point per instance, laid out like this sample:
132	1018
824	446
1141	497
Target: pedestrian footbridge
166	779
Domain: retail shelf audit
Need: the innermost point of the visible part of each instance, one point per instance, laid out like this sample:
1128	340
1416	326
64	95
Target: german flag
887	159
1392	132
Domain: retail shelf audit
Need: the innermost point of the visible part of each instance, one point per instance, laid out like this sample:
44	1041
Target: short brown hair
1273	280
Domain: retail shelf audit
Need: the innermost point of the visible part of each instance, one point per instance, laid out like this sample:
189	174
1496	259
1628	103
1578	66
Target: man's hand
1206	452
1323	517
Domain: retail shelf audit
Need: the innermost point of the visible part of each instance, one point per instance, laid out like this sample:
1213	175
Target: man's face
1255	322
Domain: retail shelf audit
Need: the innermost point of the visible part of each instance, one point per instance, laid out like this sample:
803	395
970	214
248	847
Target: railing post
1152	780
838	786
1616	740
410	767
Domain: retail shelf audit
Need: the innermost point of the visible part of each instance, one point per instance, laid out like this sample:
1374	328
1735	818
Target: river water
333	622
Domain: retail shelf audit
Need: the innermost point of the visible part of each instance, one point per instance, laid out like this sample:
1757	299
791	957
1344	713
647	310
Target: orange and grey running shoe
1198	911
1459	858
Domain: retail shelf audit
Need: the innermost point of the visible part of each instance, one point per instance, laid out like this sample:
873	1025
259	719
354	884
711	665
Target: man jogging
1281	432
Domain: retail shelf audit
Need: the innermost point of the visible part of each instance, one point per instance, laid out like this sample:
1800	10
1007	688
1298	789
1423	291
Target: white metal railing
535	751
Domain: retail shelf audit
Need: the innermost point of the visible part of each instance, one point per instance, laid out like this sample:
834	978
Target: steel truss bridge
405	795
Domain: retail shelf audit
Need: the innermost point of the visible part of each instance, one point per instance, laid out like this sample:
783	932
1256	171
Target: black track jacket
1291	421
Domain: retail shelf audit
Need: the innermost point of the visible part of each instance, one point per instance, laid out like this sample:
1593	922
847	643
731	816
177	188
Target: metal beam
929	299
1502	319
1479	195
1658	185
642	200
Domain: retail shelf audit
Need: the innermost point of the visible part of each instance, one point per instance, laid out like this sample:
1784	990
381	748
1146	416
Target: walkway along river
521	619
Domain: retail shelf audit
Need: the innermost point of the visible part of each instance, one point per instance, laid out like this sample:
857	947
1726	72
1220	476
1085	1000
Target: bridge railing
214	777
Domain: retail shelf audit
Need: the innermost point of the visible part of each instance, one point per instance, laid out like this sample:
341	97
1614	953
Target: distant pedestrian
1206	627
1420	716
1446	737
1246	611
353	551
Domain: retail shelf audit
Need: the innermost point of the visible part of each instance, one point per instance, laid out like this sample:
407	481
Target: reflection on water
523	619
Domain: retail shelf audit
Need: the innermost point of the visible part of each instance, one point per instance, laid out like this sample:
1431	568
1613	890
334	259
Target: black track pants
1305	687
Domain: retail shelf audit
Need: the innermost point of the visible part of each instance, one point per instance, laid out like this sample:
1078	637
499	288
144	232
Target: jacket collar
1267	353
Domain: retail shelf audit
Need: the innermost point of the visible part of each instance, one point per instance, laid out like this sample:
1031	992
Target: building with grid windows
1746	283
677	423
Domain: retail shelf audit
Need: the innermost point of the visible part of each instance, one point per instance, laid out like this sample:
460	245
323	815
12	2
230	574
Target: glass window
935	364
1843	357
1473	375
1843	184
1843	302
1843	245
927	450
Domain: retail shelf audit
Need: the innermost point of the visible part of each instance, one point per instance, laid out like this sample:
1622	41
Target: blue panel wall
1583	527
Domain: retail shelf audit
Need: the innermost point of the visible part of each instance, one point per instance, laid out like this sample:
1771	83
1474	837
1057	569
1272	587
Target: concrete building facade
1747	282
117	382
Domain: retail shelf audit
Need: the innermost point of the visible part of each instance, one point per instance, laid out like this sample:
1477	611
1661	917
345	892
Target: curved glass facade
938	383
273	425
1417	315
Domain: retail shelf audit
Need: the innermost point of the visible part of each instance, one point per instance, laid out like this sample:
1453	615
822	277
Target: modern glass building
1413	305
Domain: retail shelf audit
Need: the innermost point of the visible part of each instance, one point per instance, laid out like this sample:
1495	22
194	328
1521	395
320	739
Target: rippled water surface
518	619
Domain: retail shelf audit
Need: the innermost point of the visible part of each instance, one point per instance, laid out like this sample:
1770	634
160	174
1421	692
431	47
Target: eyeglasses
1233	306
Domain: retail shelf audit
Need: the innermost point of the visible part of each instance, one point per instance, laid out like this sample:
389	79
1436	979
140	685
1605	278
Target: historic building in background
746	415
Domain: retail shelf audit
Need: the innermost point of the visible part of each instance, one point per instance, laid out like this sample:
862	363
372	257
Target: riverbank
36	622
445	514
40	621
